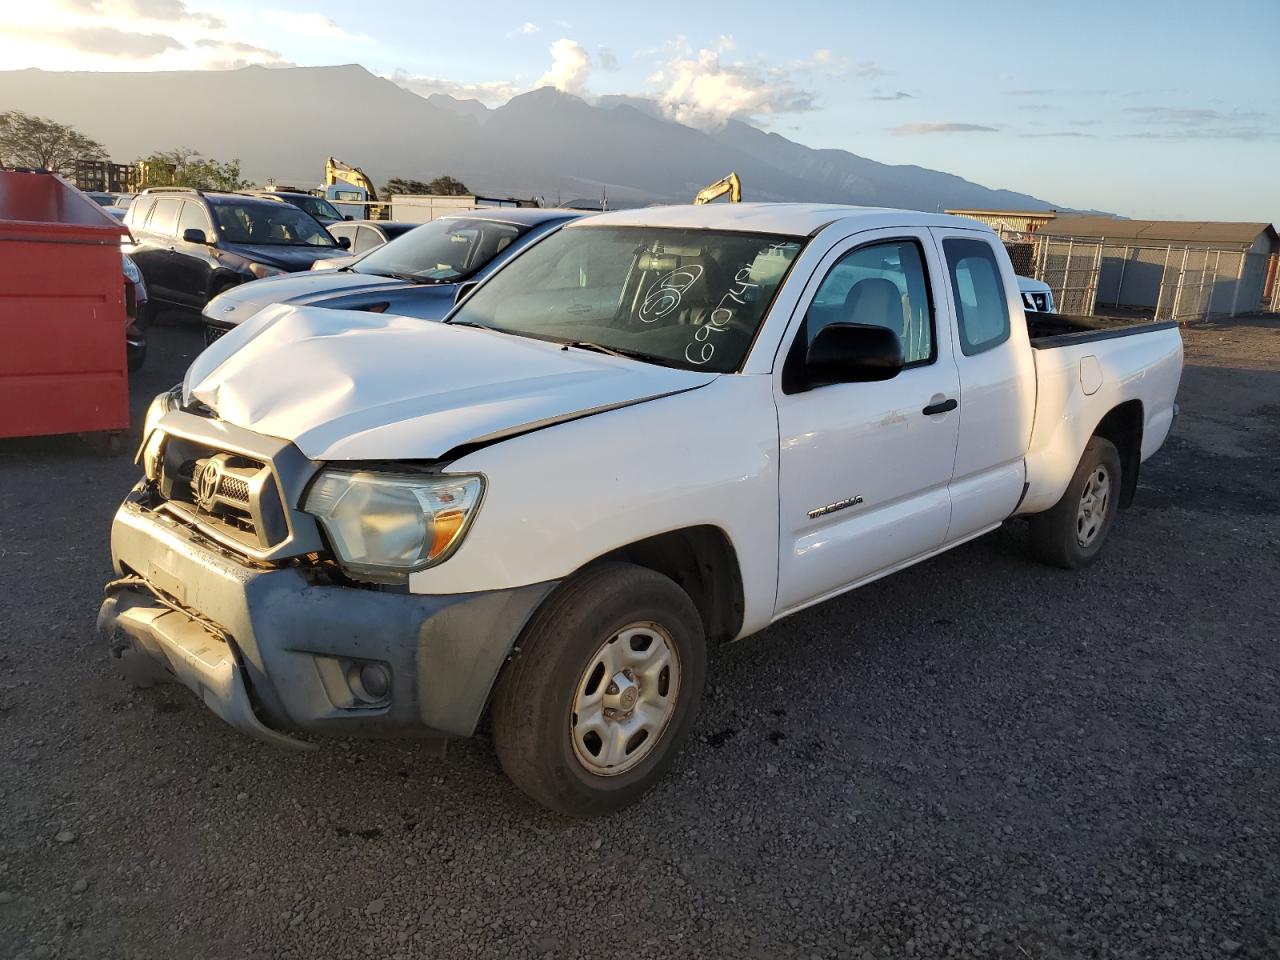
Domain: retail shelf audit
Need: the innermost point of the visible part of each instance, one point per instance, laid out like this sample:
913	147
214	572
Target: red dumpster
62	313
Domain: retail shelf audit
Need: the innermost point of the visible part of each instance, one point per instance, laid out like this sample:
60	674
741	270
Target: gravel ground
978	757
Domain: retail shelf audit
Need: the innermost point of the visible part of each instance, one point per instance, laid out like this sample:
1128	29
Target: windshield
683	298
318	207
265	222
442	251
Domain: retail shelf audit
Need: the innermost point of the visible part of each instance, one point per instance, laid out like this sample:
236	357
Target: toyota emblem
207	484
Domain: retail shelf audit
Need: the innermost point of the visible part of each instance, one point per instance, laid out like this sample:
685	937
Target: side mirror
344	243
852	353
193	235
348	217
464	290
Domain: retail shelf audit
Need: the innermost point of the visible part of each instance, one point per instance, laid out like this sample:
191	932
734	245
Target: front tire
603	690
1071	533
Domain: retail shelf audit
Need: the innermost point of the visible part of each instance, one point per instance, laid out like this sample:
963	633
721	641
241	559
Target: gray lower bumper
157	643
269	650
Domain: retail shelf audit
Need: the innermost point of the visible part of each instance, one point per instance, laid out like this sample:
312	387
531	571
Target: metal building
1010	224
1181	270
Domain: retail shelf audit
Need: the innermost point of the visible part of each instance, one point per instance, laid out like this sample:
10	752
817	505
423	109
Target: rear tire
1072	532
602	691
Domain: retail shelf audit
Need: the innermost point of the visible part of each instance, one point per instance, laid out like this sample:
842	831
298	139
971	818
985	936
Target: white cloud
529	27
704	90
173	11
106	41
570	67
825	61
313	26
915	129
490	93
234	54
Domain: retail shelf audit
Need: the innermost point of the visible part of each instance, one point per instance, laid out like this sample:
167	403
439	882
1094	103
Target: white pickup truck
652	431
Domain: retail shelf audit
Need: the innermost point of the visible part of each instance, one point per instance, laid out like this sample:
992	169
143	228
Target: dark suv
192	245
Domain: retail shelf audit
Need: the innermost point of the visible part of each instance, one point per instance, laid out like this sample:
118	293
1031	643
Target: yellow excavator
730	185
338	173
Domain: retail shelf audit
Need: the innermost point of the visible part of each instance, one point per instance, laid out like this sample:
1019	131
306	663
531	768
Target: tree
440	186
402	186
28	141
185	167
448	187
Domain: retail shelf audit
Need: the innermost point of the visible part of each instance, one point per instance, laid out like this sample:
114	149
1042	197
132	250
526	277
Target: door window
164	218
881	285
193	217
982	312
366	239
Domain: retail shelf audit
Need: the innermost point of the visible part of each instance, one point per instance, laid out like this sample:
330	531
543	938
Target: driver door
865	467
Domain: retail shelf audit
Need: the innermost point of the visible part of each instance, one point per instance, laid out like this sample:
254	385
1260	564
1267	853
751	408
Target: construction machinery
730	185
345	184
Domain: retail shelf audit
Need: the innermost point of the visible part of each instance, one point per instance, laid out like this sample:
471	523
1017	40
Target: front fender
558	498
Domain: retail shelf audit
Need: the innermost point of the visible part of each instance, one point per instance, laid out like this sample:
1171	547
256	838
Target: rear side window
981	308
138	210
164	218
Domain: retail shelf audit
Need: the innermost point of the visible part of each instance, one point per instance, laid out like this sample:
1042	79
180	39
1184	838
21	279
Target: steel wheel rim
1094	501
624	699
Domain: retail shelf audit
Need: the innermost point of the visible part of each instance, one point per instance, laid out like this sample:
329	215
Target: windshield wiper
615	351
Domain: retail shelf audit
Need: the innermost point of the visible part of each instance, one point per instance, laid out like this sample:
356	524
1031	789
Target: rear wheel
603	691
1072	532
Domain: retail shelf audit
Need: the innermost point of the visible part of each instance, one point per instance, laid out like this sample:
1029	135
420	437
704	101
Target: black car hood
283	256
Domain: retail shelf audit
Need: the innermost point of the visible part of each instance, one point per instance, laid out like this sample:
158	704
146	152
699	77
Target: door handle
944	406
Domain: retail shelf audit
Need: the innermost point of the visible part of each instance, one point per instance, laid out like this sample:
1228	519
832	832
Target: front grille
212	333
233	488
234	498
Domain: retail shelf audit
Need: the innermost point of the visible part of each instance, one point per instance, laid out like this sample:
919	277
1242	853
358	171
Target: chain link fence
1174	281
1070	267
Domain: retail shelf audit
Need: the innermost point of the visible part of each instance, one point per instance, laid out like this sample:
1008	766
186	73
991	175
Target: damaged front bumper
275	650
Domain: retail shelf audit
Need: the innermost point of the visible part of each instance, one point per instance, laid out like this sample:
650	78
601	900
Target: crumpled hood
345	385
240	303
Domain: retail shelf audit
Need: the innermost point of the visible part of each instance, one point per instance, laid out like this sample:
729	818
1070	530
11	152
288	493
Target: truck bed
1048	330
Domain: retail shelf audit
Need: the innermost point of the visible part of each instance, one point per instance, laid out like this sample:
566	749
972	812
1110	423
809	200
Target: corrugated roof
1162	231
1049	214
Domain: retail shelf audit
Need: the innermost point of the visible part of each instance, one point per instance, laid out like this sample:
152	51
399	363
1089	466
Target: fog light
370	681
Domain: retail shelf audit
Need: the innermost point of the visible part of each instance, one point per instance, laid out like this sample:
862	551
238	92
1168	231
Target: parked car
1036	295
318	207
110	202
192	244
417	274
652	431
363	236
137	312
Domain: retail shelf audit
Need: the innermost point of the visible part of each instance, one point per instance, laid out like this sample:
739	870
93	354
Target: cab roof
793	219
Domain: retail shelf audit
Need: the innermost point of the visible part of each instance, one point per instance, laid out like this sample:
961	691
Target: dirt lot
979	757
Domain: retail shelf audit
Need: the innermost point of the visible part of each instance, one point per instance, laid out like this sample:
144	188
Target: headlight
383	523
152	439
131	271
261	270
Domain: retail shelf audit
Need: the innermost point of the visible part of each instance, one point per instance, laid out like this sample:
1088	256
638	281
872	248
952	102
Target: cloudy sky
1150	109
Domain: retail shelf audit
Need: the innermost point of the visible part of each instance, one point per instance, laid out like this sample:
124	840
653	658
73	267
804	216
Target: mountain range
283	122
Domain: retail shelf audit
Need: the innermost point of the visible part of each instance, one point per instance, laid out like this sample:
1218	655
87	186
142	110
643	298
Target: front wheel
1071	533
603	690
